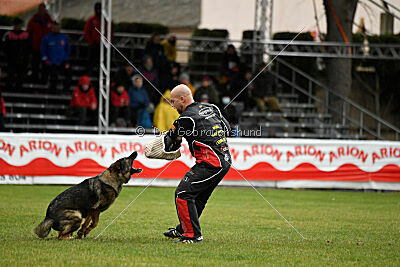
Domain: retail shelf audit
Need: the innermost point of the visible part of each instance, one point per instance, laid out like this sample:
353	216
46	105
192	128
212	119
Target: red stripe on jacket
206	154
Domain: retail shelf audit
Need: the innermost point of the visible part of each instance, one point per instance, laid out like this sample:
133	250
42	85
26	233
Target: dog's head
122	168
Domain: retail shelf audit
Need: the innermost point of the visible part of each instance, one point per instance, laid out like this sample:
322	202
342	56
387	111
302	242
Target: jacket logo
205	112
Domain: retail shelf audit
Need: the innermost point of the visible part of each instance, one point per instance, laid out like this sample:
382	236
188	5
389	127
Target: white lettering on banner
270	157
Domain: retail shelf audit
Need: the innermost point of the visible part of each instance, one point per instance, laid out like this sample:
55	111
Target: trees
339	17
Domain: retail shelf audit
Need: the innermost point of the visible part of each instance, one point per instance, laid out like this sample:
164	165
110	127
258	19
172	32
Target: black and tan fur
86	200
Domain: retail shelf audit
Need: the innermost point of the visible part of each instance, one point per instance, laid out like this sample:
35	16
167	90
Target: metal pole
104	76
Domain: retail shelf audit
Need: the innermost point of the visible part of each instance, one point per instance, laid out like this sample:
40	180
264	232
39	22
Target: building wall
12	7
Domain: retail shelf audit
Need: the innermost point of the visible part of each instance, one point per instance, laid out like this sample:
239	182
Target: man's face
120	89
138	82
177	102
85	87
97	11
205	83
56	28
42	9
129	70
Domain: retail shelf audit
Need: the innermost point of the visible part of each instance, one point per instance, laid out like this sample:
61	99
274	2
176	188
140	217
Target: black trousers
54	72
92	66
193	192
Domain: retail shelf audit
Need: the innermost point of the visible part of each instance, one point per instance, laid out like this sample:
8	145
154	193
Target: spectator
139	102
170	48
151	74
2	113
93	37
264	92
230	64
124	76
84	102
16	48
165	114
120	106
38	27
184	78
240	82
156	51
55	51
231	114
170	79
203	98
208	89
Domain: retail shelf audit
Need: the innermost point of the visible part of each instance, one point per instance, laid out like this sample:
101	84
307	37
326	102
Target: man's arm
182	126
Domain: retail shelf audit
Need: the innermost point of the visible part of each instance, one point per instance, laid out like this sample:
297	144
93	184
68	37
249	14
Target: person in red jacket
38	27
93	37
120	106
84	102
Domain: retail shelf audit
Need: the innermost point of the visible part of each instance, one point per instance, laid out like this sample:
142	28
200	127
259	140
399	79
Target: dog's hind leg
70	222
95	222
85	225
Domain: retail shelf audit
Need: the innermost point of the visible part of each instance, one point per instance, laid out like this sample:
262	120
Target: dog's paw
79	235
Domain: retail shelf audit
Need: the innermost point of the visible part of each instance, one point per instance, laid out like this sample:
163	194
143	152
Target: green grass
342	228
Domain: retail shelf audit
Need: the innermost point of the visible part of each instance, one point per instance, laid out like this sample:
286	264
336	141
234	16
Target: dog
86	200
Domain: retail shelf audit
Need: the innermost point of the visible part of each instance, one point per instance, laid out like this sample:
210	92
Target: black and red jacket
205	130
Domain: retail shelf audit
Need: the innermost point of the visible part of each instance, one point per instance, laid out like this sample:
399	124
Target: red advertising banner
301	161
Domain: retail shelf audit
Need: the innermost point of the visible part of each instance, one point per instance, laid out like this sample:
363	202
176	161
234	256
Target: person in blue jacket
139	102
55	51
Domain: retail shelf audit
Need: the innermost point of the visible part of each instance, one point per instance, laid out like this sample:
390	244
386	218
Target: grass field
342	228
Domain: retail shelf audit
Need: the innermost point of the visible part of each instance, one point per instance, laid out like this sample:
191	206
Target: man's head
97	9
205	82
155	38
137	81
41	10
56	27
129	70
184	78
172	39
181	97
18	23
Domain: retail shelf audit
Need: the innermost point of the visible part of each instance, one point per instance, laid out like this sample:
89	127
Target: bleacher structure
304	115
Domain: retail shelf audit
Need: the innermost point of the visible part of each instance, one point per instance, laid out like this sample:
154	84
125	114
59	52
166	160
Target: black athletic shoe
172	233
189	240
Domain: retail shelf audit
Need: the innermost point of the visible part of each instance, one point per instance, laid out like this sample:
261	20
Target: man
205	130
16	48
55	51
38	27
93	37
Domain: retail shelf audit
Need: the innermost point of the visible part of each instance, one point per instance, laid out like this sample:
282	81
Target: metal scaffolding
54	7
262	29
105	68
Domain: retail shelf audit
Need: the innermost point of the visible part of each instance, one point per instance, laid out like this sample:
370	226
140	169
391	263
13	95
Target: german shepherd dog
86	200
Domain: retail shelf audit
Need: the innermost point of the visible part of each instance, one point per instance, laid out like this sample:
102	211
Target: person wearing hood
156	51
55	51
16	48
38	27
209	90
119	105
139	102
165	114
169	45
93	37
151	74
84	102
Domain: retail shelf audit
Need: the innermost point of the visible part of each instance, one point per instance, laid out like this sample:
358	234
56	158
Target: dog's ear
135	171
133	155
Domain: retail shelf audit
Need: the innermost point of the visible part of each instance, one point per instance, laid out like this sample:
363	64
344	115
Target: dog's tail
43	229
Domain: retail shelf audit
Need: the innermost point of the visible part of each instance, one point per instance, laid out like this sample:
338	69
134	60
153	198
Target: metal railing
362	113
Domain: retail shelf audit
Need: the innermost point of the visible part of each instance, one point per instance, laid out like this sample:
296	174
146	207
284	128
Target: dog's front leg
85	225
95	222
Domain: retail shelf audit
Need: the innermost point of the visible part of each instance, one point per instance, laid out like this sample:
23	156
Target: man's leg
192	194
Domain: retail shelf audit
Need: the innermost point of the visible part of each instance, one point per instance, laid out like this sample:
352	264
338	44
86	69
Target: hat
206	78
204	96
184	76
136	76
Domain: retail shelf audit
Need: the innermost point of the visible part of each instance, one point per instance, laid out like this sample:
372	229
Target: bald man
205	130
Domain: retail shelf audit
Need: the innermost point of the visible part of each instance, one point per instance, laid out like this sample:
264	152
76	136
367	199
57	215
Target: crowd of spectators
135	95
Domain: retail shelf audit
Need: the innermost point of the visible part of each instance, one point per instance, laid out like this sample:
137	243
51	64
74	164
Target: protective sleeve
182	127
